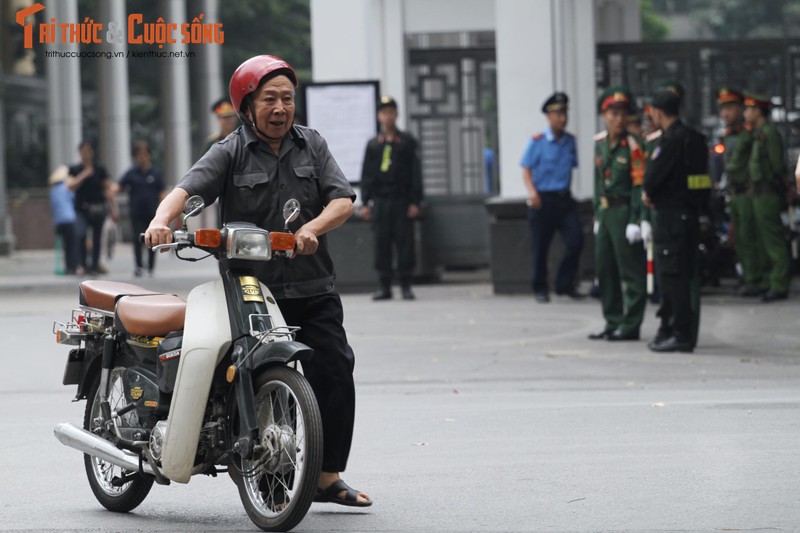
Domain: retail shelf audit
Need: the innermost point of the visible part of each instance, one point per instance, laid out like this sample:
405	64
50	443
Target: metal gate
769	67
452	111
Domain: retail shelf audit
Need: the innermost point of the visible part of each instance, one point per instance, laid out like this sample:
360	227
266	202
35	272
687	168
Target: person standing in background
227	120
62	203
738	142
767	169
619	173
94	200
547	165
391	192
145	186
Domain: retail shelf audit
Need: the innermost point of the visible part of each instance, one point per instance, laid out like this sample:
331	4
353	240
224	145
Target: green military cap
672	86
617	97
756	100
729	95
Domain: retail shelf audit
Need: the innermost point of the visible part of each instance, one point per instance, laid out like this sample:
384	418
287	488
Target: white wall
434	16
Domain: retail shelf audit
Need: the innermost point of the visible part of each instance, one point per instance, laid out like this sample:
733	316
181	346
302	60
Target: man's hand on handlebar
157	234
306	242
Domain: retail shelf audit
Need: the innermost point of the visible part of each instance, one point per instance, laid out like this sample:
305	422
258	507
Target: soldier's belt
698	181
614	201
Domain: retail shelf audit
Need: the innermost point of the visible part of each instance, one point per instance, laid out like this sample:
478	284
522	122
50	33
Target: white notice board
345	115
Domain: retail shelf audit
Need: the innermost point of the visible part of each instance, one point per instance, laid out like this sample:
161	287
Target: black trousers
393	230
330	372
675	234
140	224
559	212
68	244
86	224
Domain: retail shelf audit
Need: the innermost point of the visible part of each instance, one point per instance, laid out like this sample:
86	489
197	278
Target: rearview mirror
291	210
193	206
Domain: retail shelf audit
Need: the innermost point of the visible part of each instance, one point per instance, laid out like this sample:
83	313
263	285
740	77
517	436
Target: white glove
596	227
633	233
647	231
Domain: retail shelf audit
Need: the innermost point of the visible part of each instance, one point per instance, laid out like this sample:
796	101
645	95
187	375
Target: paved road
475	413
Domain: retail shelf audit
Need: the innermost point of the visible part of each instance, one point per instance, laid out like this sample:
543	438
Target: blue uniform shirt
551	161
62	202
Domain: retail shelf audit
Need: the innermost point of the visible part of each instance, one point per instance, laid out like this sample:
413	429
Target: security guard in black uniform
391	190
674	160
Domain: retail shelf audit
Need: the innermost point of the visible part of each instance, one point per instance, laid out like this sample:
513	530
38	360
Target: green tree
654	28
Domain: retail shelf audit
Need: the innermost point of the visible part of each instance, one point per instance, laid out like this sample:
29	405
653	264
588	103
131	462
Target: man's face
616	120
87	152
143	158
658	118
731	113
387	117
752	115
557	121
274	107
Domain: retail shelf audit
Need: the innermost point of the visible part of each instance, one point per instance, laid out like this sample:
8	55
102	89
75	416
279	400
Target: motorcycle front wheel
101	473
278	485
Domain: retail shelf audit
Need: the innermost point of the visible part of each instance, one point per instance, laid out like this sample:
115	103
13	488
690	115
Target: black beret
667	101
557	102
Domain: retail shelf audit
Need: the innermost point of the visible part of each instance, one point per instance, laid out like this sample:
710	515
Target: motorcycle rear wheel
278	486
100	473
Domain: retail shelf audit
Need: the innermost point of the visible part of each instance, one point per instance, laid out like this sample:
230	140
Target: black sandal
331	495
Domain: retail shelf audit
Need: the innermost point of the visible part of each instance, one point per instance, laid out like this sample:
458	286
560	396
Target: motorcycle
205	386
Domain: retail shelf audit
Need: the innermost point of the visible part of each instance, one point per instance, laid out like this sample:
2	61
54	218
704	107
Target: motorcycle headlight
249	243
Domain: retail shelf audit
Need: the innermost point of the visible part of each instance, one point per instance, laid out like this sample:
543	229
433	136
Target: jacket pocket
250	179
309	184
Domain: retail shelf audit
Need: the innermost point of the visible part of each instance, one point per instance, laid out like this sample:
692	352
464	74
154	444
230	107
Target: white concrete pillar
525	78
64	115
113	87
561	32
175	100
208	76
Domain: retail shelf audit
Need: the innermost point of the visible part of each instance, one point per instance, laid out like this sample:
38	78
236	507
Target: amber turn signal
230	375
209	238
281	241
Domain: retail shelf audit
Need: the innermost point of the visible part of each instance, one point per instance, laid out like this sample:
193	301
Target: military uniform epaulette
600	136
654	136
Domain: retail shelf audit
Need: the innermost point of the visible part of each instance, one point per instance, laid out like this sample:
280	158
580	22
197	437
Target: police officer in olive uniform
391	190
767	169
738	142
675	223
619	173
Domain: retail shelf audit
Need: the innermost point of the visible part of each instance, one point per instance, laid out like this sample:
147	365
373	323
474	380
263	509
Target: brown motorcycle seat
102	294
151	315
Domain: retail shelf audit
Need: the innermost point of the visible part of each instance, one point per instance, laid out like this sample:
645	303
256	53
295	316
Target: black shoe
619	335
748	291
660	337
408	294
572	293
672	345
600	335
138	272
542	297
773	296
382	294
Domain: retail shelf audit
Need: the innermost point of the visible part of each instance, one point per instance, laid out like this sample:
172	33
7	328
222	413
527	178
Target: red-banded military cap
728	95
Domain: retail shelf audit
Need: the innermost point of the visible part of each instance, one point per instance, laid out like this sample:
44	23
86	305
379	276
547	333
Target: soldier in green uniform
767	170
738	142
227	120
619	173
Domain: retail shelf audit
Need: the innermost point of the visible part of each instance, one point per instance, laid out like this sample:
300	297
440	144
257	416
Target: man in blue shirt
547	173
146	189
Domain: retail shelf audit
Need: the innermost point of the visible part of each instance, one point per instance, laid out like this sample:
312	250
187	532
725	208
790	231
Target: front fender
280	352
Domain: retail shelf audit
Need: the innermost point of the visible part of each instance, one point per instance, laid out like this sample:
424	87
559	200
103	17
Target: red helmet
248	76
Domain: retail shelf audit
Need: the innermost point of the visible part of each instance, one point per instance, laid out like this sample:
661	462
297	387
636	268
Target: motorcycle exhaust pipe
90	444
